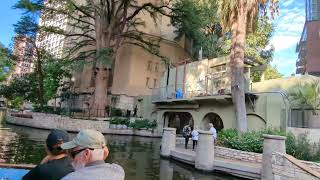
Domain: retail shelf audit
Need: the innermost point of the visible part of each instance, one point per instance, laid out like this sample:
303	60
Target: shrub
300	147
143	123
117	120
115	112
16	103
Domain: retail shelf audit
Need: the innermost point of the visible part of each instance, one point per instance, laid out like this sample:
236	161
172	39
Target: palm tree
238	16
306	95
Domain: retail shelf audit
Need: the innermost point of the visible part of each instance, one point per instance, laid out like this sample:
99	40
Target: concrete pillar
205	151
166	170
271	143
168	141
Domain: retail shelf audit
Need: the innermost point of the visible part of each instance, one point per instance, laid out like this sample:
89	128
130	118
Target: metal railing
207	87
300	117
78	113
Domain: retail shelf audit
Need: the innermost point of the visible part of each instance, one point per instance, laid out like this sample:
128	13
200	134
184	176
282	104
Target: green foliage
143	123
56	110
114	112
300	147
272	73
16	103
198	21
249	141
258	40
5	62
54	71
305	94
119	120
25	87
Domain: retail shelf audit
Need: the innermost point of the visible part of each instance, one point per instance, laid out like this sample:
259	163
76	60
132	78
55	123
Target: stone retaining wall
52	121
228	153
234	154
286	167
312	165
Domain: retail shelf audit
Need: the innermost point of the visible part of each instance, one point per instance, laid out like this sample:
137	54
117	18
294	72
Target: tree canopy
5	62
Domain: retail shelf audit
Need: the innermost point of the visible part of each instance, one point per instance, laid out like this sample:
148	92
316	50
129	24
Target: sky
288	29
8	17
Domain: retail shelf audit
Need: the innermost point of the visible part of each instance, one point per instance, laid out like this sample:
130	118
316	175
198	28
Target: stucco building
308	48
136	71
199	92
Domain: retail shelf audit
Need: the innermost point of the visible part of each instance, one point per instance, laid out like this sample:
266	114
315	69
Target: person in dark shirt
57	163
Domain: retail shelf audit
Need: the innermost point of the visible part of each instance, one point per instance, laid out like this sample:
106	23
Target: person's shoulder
32	174
113	171
115	167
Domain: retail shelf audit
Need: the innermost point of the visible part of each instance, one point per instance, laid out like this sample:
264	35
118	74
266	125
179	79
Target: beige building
136	71
23	50
192	93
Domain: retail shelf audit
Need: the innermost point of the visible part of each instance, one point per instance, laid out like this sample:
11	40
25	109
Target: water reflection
137	155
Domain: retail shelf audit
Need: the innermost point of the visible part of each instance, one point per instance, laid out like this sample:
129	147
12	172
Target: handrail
17	166
284	98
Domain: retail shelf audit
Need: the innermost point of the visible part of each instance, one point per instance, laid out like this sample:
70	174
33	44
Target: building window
156	67
149	68
154	83
147	82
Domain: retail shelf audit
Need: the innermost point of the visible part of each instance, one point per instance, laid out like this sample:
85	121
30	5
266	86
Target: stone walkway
238	168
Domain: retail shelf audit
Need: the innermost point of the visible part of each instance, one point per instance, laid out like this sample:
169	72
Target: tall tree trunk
237	66
40	81
98	106
100	92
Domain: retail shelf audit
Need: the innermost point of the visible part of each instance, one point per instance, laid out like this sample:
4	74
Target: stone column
168	141
205	151
166	170
271	143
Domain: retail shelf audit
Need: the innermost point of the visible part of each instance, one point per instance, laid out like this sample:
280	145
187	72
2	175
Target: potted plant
125	122
307	96
113	123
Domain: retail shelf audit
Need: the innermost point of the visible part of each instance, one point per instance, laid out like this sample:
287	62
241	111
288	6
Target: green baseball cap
88	138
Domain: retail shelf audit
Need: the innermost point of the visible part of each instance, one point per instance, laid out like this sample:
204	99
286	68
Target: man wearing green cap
88	150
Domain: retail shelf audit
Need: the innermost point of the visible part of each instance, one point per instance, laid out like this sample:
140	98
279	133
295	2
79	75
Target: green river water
138	156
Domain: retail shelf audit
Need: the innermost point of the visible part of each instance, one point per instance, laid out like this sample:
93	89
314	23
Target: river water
138	156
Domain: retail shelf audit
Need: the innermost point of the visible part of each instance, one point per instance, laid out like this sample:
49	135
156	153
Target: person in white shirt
195	137
213	131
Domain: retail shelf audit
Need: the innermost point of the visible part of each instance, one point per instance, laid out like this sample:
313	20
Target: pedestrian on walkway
195	137
186	134
213	131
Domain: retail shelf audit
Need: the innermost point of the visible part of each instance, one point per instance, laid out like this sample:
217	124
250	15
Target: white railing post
271	143
205	151
168	141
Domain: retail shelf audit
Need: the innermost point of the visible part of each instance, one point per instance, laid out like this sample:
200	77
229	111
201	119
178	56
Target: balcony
300	70
205	89
301	46
300	62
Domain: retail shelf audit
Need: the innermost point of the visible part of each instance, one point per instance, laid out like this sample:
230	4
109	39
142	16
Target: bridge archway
213	118
178	120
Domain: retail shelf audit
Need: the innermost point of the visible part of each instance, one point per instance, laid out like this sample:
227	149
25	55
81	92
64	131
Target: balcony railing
300	62
207	87
300	70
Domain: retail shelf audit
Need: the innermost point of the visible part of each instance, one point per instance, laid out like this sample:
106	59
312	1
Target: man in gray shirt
88	150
